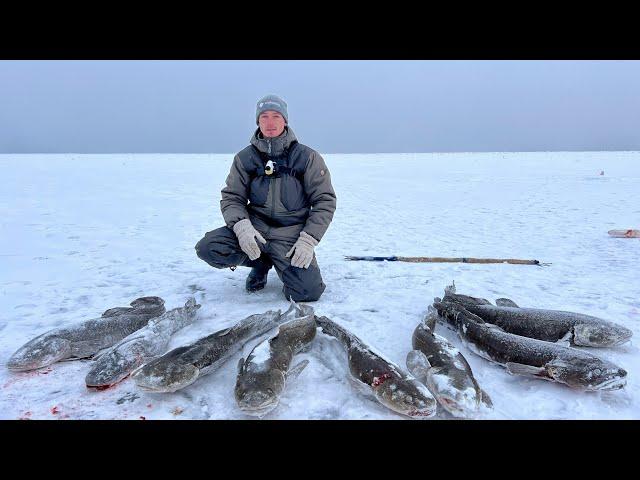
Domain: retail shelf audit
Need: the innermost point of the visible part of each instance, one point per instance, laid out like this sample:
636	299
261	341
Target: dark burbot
263	376
184	365
443	369
87	338
548	325
531	357
389	384
119	361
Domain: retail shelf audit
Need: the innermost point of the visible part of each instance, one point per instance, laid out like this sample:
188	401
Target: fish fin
451	288
240	365
222	333
485	398
558	363
112	312
293	306
305	310
101	353
567	339
506	302
418	364
139	367
429	320
191	304
297	370
494	326
526	370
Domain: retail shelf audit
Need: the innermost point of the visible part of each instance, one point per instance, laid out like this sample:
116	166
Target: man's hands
246	238
303	251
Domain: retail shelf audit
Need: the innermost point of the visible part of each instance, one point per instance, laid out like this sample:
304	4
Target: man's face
271	123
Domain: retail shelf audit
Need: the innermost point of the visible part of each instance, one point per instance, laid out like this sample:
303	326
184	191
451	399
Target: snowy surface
83	233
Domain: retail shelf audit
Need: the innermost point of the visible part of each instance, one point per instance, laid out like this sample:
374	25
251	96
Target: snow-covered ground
83	233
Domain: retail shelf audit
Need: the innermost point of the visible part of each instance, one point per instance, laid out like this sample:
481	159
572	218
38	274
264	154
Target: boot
257	278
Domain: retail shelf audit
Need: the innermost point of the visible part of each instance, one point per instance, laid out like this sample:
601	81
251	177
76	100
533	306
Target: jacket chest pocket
258	190
292	193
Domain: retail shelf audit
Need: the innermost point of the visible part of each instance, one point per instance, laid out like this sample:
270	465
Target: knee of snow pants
220	249
302	284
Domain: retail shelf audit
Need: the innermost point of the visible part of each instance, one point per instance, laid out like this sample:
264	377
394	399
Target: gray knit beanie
272	102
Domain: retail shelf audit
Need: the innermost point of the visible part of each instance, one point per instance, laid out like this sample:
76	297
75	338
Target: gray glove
246	238
304	251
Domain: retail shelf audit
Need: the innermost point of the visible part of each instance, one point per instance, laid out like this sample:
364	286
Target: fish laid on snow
548	325
529	356
184	365
124	357
444	370
87	338
262	377
390	385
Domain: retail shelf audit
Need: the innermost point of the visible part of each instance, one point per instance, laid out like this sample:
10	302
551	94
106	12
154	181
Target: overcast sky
334	106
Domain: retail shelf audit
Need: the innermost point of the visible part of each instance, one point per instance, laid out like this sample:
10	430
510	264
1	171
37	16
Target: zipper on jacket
271	185
272	188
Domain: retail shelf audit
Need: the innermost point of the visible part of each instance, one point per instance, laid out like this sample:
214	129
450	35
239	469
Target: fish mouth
103	384
162	388
17	366
100	388
259	411
412	410
256	404
611	384
421	413
159	383
452	406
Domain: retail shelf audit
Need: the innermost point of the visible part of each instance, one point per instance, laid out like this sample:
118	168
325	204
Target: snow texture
83	233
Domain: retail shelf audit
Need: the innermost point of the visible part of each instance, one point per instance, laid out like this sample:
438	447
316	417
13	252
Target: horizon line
325	153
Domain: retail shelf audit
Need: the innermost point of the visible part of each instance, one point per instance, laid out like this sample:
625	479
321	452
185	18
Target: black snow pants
220	249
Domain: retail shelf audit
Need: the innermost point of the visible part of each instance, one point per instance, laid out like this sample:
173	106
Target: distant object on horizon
625	233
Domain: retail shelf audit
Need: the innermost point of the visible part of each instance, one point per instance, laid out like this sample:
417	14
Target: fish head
39	352
258	392
111	368
600	334
587	373
457	395
406	396
165	376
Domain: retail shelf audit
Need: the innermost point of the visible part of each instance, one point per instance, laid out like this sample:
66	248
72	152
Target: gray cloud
334	106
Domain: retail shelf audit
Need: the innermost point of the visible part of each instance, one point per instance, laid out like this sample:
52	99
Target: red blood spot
377	381
54	410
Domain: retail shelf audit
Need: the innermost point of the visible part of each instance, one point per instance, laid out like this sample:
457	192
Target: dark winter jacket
299	192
